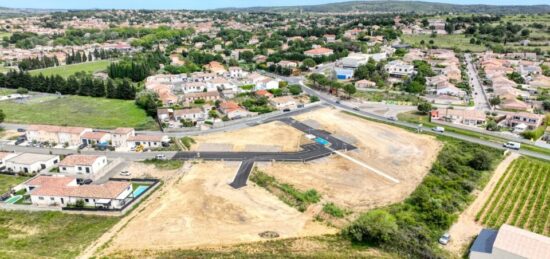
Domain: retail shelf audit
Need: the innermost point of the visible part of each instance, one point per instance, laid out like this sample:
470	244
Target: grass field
520	198
7	181
78	111
452	41
68	70
7	91
48	234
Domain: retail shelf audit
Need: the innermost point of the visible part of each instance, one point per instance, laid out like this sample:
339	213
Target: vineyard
521	198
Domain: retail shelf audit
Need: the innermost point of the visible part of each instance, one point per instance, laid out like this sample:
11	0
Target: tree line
38	63
79	84
139	67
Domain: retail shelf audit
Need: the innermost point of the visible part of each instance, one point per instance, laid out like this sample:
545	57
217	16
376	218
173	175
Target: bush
333	210
376	226
295	89
425	107
79	204
481	161
313	99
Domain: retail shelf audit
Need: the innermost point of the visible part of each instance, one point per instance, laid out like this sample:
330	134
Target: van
512	145
439	129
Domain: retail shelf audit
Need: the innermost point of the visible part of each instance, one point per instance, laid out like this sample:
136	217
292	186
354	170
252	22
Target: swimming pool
13	199
139	190
322	141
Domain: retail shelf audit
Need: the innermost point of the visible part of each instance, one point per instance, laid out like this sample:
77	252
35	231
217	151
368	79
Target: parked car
439	129
356	108
445	238
512	145
21	130
84	181
337	101
19	141
125	173
392	118
286	110
160	157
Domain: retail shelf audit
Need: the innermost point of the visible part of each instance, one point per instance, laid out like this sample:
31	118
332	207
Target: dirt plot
276	134
396	152
201	209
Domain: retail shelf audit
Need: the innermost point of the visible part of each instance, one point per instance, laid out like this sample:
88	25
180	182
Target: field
452	41
48	234
273	136
7	91
8	181
67	70
520	198
197	208
77	111
399	153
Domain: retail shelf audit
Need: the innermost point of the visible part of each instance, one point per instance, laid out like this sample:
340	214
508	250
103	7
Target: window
41	198
79	168
52	198
87	200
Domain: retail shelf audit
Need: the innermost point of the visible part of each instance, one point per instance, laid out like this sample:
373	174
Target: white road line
376	171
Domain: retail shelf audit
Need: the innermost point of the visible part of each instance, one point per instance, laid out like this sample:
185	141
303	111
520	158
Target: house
264	93
343	73
319	52
465	117
215	67
207	96
64	191
399	68
96	138
450	89
31	163
531	120
284	103
56	134
233	111
192	114
5	156
362	84
330	38
83	166
148	141
509	242
119	137
164	114
287	64
197	87
236	72
354	60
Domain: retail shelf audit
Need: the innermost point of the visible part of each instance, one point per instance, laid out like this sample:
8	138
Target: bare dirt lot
396	152
277	134
200	209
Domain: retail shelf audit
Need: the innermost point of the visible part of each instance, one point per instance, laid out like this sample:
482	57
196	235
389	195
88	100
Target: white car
445	238
512	145
439	129
125	173
160	157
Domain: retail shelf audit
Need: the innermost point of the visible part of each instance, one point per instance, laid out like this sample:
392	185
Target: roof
58	186
318	51
29	158
202	94
484	241
3	155
187	111
57	129
152	138
96	135
74	160
522	242
123	130
283	99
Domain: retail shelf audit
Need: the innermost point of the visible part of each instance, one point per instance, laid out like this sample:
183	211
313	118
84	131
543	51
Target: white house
197	87
193	114
64	190
399	68
148	141
5	156
120	137
283	103
31	163
56	134
96	138
82	166
510	243
236	72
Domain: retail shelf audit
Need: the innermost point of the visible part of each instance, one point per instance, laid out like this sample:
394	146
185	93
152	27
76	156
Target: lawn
520	198
68	70
48	234
7	91
453	41
8	181
78	111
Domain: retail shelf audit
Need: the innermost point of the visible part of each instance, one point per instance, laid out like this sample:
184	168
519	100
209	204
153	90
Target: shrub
376	226
333	210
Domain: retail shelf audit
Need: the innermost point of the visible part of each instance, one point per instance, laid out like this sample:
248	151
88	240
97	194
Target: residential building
531	120
284	103
343	73
509	242
233	111
5	156
363	84
207	96
192	114
83	166
56	134
319	52
119	137
31	163
399	68
64	191
148	141
460	116
96	138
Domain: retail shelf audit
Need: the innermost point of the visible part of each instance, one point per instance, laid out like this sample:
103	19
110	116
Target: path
466	228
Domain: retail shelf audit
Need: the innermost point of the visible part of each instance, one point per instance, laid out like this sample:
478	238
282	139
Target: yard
8	181
77	111
520	198
444	41
67	70
48	234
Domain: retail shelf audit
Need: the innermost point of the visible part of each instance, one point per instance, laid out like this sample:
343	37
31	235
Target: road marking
376	171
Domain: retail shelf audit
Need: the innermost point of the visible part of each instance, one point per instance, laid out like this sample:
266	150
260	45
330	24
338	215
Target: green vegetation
333	210
78	111
387	96
520	198
48	234
9	181
67	70
165	164
285	192
187	142
7	91
451	41
411	228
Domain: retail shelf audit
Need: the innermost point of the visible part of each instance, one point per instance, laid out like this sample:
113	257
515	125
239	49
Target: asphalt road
480	97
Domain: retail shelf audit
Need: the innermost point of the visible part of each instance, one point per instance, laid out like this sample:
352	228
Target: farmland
77	111
520	198
458	41
68	70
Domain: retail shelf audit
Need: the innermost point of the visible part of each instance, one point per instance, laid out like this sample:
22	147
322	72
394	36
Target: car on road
439	129
82	146
337	101
512	145
286	110
125	173
392	118
84	181
356	108
21	130
19	141
160	157
445	238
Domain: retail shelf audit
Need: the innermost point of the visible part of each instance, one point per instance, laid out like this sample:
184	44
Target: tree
247	56
2	116
425	107
148	100
480	161
546	105
495	100
492	125
350	89
376	226
213	114
313	99
295	89
309	62
22	90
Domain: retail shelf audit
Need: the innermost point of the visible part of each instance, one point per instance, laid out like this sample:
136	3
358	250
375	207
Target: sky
206	4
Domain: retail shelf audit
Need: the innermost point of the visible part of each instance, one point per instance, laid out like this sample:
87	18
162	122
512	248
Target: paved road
242	174
480	97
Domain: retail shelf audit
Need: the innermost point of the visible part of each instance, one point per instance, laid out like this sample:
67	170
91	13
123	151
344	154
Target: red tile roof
74	160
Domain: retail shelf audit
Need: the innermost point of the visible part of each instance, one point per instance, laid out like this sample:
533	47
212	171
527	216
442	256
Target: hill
401	7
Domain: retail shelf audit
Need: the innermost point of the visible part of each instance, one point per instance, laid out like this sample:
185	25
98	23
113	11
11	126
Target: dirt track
402	154
201	209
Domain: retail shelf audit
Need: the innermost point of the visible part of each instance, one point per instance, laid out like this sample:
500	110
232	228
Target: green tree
295	89
376	226
309	62
350	89
424	107
481	161
2	116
